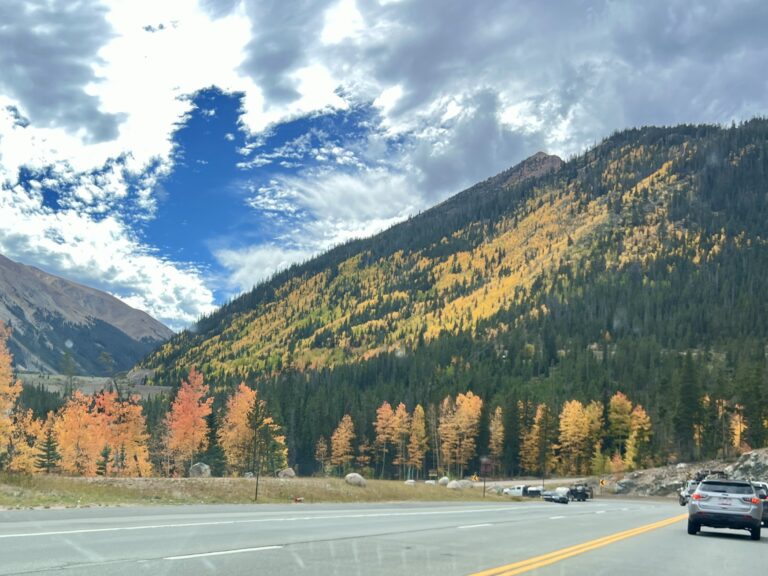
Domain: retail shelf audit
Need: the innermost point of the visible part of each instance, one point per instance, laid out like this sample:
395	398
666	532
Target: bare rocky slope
54	320
666	480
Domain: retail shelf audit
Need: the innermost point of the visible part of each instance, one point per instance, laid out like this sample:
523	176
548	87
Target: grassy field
18	491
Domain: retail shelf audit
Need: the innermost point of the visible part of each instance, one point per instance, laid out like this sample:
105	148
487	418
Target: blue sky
176	153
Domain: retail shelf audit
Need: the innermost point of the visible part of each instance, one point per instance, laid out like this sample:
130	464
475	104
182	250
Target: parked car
762	492
580	492
719	503
559	495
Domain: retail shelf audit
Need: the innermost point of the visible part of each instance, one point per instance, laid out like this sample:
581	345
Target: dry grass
18	491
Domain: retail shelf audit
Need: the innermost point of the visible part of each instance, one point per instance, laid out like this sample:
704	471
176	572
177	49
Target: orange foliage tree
341	444
385	432
10	388
187	422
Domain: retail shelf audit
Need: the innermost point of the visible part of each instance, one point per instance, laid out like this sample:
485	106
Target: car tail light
697	496
752	500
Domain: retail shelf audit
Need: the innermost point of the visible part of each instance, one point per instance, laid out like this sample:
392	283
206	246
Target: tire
754	534
693	527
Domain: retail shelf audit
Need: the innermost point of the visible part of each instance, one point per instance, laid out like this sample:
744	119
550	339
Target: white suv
721	503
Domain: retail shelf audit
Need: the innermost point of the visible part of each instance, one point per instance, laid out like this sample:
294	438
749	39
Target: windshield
726	487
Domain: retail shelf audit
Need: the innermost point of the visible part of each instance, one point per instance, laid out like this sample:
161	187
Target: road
632	537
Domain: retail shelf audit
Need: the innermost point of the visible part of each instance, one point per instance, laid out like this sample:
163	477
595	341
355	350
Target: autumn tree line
581	439
103	434
249	432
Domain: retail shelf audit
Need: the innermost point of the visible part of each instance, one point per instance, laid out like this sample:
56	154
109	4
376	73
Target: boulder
453	485
199	470
354	479
410	482
248	475
466	484
752	464
286	473
444	481
430	482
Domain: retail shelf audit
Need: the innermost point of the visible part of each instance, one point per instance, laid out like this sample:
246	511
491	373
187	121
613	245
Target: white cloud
101	253
463	90
249	266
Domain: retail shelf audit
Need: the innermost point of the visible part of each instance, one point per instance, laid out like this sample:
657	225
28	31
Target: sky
176	153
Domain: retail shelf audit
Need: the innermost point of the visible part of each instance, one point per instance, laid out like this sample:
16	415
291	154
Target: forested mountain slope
638	266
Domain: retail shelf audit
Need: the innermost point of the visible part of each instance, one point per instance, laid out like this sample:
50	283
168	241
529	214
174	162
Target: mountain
60	326
638	266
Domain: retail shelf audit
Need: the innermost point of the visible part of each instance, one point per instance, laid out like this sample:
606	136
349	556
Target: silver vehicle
719	503
685	492
762	491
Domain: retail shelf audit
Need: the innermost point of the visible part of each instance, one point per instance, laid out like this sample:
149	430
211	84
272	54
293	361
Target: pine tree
48	449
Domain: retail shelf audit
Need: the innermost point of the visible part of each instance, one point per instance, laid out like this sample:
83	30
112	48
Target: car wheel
693	527
754	534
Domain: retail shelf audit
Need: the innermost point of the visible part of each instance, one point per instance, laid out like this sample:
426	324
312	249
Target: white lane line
600	512
263	520
223	553
474	526
556	517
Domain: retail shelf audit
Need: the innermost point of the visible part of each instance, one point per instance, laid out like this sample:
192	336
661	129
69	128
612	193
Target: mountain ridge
45	312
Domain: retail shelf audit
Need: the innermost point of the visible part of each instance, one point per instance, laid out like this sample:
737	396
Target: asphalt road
597	537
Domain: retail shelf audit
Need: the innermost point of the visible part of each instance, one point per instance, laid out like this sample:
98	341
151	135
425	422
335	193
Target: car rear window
726	488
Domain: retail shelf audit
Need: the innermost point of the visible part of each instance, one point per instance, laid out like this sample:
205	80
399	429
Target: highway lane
367	539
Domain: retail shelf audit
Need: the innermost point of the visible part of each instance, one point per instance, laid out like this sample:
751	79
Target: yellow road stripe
557	555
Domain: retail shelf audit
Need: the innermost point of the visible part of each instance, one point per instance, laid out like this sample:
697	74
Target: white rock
466	484
354	479
453	485
444	481
430	482
286	473
199	470
410	482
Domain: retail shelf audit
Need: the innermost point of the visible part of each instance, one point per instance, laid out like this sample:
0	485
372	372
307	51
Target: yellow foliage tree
619	419
496	437
401	429
575	444
341	444
78	435
385	432
418	444
235	434
27	430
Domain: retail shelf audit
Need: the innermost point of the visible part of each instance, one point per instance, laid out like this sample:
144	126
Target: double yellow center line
558	555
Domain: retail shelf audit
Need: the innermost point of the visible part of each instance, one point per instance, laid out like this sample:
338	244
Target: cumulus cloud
100	252
48	55
91	93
